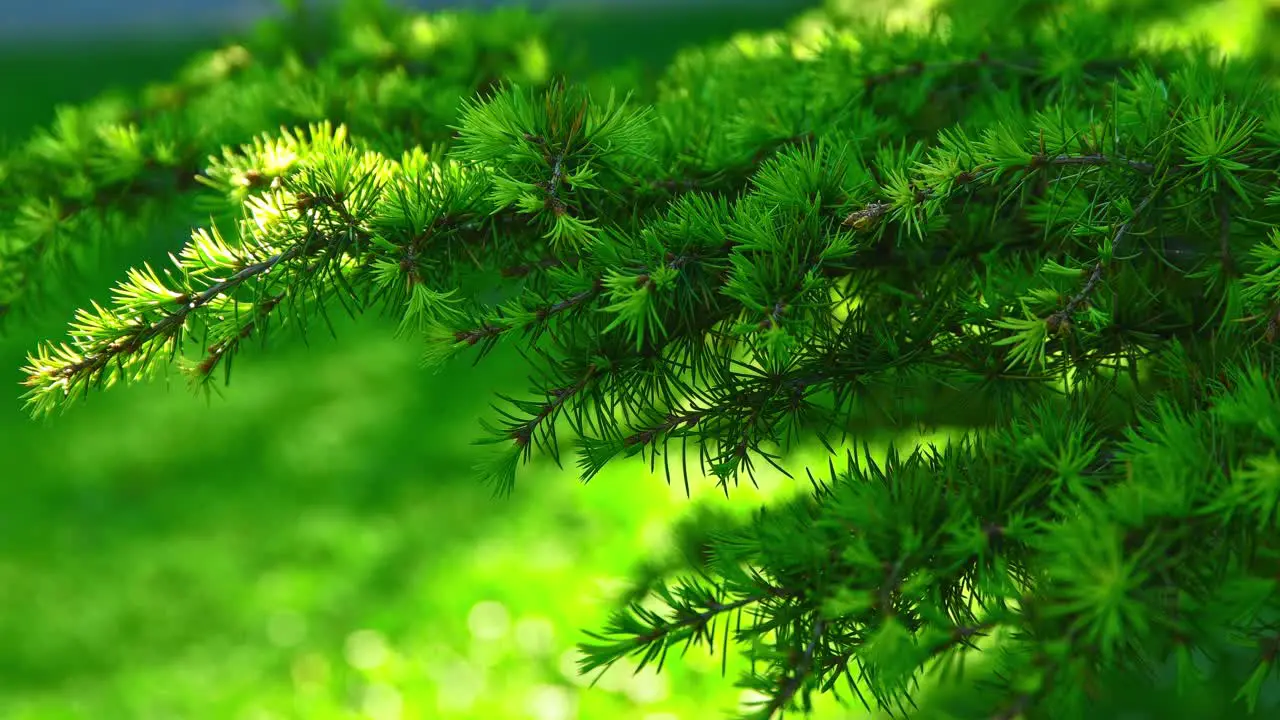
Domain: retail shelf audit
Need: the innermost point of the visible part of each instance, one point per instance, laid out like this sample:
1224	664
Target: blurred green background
312	544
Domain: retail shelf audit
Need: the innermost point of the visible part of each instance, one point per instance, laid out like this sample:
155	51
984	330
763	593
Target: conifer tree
1045	233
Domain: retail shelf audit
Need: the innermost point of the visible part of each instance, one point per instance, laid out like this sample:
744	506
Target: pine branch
780	239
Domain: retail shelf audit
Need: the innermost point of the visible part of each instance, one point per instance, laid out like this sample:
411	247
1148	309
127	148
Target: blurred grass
307	547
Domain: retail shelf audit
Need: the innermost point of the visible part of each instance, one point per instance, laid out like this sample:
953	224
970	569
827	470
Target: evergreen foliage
1045	233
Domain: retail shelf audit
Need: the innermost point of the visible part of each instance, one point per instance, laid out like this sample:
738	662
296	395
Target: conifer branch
1095	275
848	250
